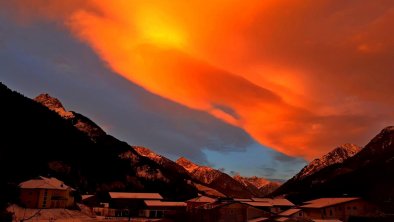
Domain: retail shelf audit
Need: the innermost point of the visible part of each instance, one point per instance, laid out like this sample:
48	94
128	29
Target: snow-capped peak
79	121
54	104
147	152
187	164
338	155
258	182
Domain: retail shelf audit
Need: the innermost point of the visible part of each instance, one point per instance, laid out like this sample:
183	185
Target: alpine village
58	165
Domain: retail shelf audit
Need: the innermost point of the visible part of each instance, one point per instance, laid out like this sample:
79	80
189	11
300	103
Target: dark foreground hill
35	140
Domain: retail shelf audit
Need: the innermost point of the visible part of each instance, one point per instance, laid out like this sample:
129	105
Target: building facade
45	192
337	208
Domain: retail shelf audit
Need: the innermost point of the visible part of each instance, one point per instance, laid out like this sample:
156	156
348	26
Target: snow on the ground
63	215
48	215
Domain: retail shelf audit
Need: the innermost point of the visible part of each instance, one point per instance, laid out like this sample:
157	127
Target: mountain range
219	185
212	182
258	186
349	170
41	137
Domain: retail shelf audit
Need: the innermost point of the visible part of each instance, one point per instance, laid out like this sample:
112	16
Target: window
45	197
330	212
354	208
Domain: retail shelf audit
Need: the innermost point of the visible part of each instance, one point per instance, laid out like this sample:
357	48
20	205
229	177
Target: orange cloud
280	70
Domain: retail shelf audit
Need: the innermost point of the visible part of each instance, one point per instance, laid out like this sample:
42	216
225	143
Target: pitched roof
158	203
289	212
123	195
218	204
281	202
202	199
87	196
259	219
325	202
275	201
258	204
45	183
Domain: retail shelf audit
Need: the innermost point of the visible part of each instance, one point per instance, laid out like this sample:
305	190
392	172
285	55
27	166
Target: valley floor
62	215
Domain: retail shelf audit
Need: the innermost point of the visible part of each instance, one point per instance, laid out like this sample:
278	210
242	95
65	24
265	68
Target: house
275	205
266	206
293	213
337	208
164	209
130	204
45	192
228	211
280	205
198	201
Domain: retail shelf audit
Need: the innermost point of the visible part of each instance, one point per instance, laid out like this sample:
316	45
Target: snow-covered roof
281	202
325	202
258	204
45	183
84	197
218	204
262	199
123	195
259	219
289	212
275	201
158	203
202	199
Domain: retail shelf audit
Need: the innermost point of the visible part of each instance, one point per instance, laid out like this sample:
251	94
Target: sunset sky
259	87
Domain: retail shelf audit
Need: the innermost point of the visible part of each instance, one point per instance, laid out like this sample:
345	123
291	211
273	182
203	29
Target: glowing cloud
279	70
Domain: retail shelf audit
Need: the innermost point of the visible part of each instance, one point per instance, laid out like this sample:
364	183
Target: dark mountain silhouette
38	141
336	156
81	122
369	174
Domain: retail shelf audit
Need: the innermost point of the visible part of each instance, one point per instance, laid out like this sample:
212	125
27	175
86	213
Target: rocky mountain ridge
337	155
215	179
365	173
81	122
260	187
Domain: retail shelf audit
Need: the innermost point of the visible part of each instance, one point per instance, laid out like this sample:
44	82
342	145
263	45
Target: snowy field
62	215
